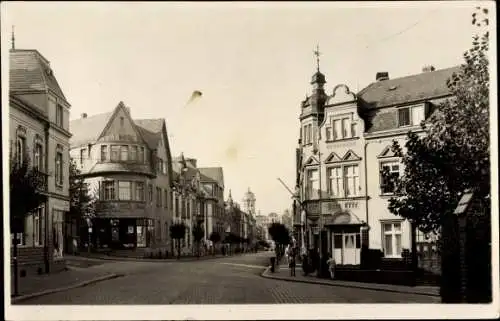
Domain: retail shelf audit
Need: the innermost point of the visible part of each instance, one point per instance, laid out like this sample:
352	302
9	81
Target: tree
454	153
280	235
198	234
82	202
215	238
178	232
27	186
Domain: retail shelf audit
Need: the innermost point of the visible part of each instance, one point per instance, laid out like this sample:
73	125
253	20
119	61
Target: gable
333	158
120	127
387	153
341	95
311	161
350	156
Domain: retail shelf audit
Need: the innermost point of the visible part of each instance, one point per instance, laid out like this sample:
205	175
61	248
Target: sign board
90	230
131	230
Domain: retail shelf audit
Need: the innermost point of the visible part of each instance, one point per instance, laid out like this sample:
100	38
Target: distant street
231	280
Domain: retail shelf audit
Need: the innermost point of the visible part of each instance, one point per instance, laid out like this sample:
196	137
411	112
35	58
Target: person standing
291	259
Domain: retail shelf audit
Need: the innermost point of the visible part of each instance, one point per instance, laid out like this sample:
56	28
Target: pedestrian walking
331	266
292	261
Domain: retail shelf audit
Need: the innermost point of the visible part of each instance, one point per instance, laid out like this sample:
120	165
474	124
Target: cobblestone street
231	280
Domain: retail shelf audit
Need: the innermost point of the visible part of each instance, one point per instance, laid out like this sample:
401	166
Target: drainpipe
46	253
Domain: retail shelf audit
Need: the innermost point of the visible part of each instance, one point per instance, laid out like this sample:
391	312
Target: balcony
41	181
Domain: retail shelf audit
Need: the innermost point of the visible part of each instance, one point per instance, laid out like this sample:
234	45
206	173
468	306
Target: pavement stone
212	282
283	273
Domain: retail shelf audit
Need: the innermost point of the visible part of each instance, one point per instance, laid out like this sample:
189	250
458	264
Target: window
37	157
20	149
141	155
353	130
59	168
417	114
115	152
312	183
124	153
109	190
37	226
165	203
403	116
387	183
124	191
188	208
133	153
82	155
139	191
346	128
150	193
59	116
329	133
351	175
337	126
392	239
158	197
104	153
335	178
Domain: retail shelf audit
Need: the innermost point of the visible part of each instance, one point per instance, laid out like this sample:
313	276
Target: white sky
252	61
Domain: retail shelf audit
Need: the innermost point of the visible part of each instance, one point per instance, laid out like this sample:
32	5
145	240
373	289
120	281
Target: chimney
428	68
382	75
84	115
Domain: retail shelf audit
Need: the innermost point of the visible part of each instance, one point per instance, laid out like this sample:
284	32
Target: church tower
249	202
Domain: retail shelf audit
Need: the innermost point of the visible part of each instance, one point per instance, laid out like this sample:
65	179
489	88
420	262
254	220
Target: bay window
312	183
115	153
104	153
139	191
124	153
133	153
124	191
109	190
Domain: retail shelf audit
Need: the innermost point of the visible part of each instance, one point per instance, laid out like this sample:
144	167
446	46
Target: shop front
346	237
121	233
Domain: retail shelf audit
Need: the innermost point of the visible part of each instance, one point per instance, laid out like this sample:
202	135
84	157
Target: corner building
345	142
128	165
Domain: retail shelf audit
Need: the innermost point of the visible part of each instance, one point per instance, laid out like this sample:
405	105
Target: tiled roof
406	89
86	130
212	174
30	71
150	130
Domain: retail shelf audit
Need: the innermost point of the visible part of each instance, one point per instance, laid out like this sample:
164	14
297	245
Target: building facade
39	129
128	166
212	182
344	145
188	200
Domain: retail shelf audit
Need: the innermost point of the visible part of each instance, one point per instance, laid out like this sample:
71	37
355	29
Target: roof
214	174
150	129
395	91
86	130
30	71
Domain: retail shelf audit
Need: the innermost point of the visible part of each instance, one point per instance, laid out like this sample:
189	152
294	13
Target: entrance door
349	249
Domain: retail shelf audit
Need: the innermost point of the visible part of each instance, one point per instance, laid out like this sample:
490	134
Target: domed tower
312	108
249	202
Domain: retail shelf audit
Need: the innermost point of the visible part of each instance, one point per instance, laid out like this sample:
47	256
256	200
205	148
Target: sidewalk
283	273
171	259
38	285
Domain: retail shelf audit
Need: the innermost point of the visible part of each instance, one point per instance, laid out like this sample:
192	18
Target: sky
253	63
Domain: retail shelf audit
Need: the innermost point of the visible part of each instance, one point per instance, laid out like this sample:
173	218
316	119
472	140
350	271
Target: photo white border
268	311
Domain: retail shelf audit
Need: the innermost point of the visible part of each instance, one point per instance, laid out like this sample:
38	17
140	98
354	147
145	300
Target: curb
170	260
267	275
66	288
